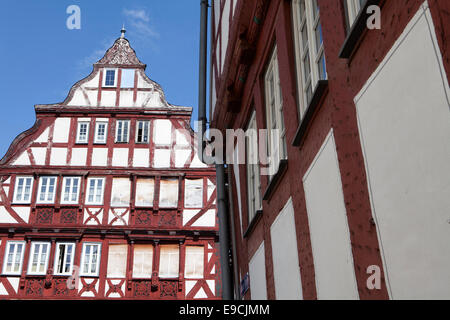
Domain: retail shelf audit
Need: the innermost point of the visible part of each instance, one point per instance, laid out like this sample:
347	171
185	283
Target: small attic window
110	78
127	80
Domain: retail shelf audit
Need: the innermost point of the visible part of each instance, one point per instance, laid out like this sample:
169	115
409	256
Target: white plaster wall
22	160
404	121
161	158
257	273
5	217
120	157
142	83
181	156
108	99
79	156
286	270
23	212
77	99
39	155
61	130
141	158
126	99
43	137
208	219
329	232
99	156
162	131
58	156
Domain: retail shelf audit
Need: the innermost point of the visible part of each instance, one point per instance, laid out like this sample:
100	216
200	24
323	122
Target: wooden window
46	190
83	132
64	257
122	131
168	193
39	255
143	261
276	146
94	191
120	192
194	262
101	132
252	163
12	264
193	193
71	190
142	131
309	50
169	261
117	261
90	259
22	191
110	78
145	191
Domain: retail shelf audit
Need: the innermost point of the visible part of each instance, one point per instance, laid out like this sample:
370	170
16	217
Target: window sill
81	143
253	223
356	31
275	179
319	92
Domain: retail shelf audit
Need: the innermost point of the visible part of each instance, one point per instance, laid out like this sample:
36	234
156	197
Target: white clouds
139	25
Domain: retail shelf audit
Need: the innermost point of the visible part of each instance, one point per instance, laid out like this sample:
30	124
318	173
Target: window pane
127	79
169	261
110	77
117	260
120	193
193	193
145	189
143	261
168	193
194	262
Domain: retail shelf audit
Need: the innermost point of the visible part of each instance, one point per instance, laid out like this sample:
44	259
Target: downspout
227	287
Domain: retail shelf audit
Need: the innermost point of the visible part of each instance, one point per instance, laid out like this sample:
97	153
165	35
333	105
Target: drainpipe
227	287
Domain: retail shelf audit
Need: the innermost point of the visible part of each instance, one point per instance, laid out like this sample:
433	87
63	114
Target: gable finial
123	32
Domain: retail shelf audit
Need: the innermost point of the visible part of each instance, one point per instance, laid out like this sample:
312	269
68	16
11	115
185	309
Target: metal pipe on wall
227	287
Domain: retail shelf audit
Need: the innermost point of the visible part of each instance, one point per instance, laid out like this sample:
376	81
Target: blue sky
41	58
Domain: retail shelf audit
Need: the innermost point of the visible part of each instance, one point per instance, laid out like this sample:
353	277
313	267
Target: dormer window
110	78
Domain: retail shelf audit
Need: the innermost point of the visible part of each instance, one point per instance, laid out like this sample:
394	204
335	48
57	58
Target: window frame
79	123
63	190
117	130
352	10
94	203
16	186
140	276
31	256
7	252
145	122
168	275
254	196
96	136
83	257
307	48
274	115
116	72
39	191
57	251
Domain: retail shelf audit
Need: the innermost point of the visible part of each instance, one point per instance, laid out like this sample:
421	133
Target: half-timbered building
357	206
105	196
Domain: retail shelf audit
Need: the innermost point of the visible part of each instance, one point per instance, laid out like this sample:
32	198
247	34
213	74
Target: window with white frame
117	261
353	7
253	175
39	256
276	132
142	131
46	190
90	259
110	78
83	132
101	132
12	264
122	131
22	191
309	50
95	189
70	190
120	192
143	261
64	256
169	261
194	262
168	193
145	192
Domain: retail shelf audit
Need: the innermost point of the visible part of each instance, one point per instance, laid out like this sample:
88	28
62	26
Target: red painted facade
255	28
51	148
